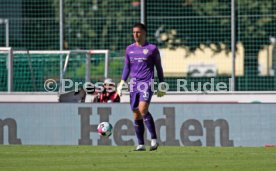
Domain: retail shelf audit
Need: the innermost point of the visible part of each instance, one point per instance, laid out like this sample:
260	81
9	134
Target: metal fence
194	37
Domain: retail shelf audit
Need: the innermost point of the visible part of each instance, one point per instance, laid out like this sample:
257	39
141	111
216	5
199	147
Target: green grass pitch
67	158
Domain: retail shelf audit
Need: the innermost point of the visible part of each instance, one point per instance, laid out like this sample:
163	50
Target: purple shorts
136	97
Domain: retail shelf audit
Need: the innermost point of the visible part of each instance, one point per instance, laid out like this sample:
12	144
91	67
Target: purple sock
139	129
150	125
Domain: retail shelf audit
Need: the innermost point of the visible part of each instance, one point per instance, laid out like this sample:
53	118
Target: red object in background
270	145
135	4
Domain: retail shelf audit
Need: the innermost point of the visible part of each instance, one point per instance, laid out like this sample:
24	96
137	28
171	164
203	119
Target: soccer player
140	59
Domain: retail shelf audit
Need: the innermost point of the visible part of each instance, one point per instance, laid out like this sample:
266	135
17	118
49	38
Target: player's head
139	32
141	26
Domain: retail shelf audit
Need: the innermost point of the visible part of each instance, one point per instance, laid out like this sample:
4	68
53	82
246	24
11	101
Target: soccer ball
105	129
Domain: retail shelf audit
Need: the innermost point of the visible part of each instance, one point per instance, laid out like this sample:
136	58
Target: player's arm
158	66
125	75
160	74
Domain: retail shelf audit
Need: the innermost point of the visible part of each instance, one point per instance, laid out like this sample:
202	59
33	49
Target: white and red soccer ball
105	129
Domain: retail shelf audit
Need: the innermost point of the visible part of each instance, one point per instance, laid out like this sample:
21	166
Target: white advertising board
176	124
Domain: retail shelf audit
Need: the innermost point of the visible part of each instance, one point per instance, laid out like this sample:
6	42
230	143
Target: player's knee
143	108
137	115
143	112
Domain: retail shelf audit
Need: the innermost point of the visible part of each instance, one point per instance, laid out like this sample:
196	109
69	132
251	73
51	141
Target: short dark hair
141	26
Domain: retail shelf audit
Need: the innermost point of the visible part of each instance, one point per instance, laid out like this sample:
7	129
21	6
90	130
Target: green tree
209	23
39	28
255	20
98	24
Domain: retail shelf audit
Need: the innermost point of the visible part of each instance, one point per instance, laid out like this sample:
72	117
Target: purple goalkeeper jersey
140	62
